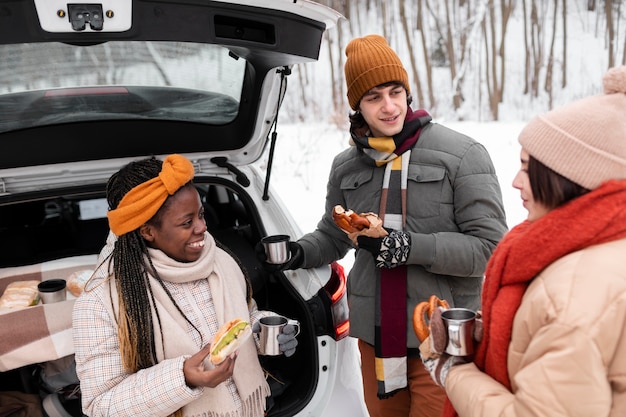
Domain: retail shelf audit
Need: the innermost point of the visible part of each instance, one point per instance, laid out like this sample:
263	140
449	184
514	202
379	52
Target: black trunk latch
81	14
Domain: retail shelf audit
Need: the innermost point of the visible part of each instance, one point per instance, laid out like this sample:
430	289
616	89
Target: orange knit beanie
584	141
371	62
143	201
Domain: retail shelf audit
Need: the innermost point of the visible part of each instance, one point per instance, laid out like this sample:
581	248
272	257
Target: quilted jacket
455	216
568	351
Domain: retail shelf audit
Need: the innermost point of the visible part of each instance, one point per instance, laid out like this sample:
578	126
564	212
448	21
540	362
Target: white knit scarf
228	289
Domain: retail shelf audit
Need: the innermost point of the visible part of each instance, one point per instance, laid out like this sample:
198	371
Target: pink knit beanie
371	62
584	141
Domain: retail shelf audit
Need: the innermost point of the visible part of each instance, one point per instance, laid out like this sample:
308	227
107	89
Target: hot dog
228	339
348	220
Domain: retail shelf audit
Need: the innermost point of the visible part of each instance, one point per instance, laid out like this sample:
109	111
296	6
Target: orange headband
142	202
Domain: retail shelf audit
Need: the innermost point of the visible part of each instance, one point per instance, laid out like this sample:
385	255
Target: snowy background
306	145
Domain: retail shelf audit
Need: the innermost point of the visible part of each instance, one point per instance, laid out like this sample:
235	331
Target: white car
85	88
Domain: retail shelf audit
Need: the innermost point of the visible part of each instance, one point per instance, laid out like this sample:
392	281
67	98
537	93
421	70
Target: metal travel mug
52	291
459	324
271	327
276	248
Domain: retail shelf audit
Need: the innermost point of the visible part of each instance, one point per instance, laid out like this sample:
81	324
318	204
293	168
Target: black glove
294	262
388	251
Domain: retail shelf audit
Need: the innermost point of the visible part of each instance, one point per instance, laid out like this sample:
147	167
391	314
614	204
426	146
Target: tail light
337	291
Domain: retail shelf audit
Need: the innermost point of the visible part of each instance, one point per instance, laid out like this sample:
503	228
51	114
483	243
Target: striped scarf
391	318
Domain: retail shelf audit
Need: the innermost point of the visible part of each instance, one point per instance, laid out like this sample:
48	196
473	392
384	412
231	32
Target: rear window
49	83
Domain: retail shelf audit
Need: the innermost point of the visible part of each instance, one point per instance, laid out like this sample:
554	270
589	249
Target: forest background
482	67
476	60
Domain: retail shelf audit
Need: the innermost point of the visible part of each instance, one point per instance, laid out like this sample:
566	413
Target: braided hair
131	268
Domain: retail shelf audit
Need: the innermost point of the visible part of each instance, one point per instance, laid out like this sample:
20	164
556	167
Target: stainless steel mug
459	324
52	291
276	248
271	327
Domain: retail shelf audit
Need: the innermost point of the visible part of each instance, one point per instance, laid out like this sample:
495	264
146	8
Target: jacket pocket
358	192
354	180
427	187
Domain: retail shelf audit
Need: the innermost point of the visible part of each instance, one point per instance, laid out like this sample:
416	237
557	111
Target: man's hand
294	262
389	251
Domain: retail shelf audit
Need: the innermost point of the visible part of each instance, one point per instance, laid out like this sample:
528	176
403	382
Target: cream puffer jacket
567	356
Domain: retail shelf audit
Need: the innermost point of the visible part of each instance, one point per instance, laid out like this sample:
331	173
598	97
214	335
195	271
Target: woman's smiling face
179	228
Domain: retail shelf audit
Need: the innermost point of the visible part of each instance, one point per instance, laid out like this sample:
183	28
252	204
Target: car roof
45	124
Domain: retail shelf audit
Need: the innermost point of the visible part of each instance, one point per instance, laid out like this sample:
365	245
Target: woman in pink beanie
554	299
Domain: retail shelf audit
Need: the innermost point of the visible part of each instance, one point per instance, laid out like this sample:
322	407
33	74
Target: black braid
130	267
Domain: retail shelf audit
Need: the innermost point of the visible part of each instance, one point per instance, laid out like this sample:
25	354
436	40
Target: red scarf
596	217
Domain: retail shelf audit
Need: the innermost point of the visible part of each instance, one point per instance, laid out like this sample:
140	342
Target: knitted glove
439	333
287	341
478	327
294	262
388	251
438	365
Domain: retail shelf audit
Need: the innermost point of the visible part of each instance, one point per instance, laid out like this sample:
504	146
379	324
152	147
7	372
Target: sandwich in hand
228	339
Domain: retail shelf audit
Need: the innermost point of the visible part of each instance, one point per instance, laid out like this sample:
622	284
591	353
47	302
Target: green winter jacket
455	216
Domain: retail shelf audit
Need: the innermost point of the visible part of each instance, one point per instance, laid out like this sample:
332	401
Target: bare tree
564	58
550	64
426	53
527	57
506	9
610	31
462	41
494	29
619	15
536	44
444	31
413	61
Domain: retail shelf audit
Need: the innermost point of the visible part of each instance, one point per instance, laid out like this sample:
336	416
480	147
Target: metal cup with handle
459	323
271	327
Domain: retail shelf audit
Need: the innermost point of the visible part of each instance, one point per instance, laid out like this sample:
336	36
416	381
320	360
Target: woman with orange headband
143	326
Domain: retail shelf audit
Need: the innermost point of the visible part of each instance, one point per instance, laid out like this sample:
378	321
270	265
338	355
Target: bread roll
77	280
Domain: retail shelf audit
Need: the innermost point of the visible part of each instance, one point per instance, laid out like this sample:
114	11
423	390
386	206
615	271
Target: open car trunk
72	228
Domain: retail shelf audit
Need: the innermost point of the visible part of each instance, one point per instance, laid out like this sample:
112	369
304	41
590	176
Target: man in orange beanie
438	196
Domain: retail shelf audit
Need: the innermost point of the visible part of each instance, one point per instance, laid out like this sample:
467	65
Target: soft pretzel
348	220
423	312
